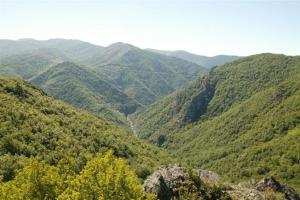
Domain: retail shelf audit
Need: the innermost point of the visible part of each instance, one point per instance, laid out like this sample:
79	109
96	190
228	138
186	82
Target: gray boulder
166	181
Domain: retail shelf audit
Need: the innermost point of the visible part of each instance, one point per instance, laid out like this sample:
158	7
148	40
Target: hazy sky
202	27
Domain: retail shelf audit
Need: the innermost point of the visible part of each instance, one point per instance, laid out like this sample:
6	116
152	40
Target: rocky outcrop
267	188
167	182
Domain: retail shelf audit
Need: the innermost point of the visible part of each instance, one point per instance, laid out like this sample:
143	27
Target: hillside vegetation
242	120
33	124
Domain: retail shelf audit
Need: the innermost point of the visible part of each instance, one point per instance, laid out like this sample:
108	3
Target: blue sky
202	27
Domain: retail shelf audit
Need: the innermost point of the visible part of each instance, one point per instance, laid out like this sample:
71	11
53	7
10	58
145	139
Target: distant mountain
26	58
109	81
75	49
27	65
205	61
241	120
143	75
33	124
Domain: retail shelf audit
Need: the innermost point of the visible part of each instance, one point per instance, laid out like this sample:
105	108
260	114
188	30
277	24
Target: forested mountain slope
205	61
82	88
34	124
242	120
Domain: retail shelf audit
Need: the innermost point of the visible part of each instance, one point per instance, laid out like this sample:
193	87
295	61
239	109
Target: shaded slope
33	124
174	111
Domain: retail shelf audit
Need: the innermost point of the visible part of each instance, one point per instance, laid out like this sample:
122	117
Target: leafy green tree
37	180
104	177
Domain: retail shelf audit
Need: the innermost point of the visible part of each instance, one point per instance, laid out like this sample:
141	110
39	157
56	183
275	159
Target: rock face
166	183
